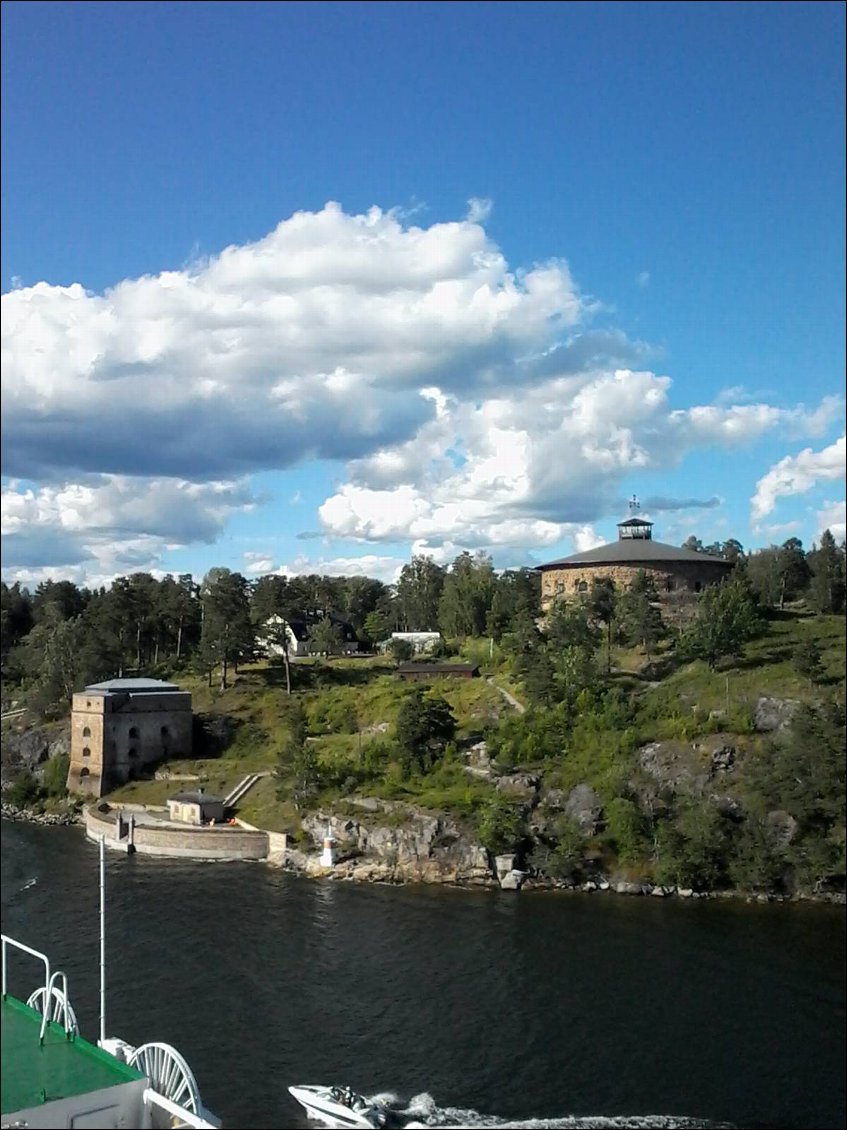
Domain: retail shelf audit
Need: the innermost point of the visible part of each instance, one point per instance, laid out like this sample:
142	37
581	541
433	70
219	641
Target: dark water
522	1007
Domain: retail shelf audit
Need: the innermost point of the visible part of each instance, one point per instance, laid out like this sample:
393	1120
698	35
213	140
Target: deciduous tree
726	619
325	636
418	592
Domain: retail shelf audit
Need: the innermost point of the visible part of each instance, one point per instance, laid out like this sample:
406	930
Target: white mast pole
102	939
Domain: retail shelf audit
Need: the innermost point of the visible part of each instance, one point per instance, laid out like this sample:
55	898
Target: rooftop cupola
633	526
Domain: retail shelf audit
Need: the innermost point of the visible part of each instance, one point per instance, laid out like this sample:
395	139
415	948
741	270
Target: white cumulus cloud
533	465
469	399
833	517
109	525
381	567
796	474
313	341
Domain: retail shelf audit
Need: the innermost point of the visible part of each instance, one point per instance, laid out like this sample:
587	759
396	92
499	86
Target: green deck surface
33	1074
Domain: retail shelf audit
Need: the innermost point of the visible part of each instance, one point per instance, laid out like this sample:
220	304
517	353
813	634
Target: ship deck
34	1074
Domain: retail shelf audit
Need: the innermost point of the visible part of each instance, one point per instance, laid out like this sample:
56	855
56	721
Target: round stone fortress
678	574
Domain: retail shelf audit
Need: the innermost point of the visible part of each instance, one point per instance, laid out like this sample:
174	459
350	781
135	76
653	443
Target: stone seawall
164	839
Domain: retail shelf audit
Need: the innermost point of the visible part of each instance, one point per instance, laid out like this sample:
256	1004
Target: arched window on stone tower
86	731
133	731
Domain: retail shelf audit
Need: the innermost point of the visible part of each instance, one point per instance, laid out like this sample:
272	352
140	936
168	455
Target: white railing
8	941
50	991
62	996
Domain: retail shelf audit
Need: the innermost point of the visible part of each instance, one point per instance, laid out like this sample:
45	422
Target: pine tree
640	615
228	633
826	588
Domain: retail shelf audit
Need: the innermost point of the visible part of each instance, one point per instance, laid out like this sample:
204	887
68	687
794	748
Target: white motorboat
340	1106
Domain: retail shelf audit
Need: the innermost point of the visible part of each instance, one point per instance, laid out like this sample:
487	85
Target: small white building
422	642
196	808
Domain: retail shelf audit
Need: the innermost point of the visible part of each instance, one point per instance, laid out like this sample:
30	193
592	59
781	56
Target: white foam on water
422	1110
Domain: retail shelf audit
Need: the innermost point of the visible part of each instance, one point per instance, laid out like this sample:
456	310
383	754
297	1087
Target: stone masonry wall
224	843
674	581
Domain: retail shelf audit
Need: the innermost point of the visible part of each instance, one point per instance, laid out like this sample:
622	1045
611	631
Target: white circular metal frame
168	1073
55	1007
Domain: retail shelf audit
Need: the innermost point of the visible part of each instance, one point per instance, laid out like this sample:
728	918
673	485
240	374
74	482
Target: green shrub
626	829
692	850
502	826
376	756
55	776
563	856
24	791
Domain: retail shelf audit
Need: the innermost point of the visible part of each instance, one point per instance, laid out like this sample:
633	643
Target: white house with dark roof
122	725
297	633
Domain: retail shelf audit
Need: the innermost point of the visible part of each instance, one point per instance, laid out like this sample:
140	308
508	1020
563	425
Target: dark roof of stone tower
635	546
635	551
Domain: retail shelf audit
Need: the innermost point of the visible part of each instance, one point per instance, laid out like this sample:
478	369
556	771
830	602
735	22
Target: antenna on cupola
635	527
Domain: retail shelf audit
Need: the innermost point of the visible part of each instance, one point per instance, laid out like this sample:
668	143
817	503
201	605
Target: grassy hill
659	772
352	706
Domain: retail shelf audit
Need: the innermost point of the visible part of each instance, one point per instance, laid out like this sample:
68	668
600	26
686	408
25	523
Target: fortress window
582	586
86	772
86	732
165	732
697	586
133	752
133	731
86	752
560	587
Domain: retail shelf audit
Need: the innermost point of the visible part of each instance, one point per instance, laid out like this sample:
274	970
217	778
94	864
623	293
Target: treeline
61	637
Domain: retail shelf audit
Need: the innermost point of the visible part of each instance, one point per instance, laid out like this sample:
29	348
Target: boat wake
422	1110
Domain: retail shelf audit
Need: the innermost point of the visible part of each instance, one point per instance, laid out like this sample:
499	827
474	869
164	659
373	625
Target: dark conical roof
638	552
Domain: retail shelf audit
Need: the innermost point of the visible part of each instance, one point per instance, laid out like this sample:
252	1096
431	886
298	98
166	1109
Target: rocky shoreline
398	844
373	870
28	816
453	862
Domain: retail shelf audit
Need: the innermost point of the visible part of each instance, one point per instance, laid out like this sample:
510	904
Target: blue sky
312	287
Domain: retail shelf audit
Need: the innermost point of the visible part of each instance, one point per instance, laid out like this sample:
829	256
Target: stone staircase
242	788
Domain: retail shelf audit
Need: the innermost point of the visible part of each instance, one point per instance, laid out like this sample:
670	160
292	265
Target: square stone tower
122	725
